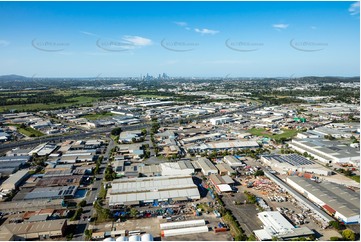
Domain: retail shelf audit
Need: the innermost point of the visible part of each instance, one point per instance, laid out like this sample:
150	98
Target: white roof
224	188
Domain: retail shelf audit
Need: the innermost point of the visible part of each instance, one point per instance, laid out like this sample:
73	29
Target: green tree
348	234
116	131
82	203
335	238
133	212
88	233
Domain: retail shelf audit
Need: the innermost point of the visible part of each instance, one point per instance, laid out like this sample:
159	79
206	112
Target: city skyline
201	39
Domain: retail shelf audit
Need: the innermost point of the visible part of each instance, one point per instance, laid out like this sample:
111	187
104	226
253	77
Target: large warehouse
135	191
327	151
294	162
337	200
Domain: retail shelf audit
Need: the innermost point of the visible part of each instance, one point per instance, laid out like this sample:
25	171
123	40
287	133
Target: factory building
327	151
139	191
294	162
338	201
36	230
206	166
275	225
14	180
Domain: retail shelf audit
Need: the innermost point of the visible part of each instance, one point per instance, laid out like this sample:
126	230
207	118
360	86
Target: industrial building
37	230
224	169
327	151
47	193
233	161
14	180
135	191
220	120
206	166
294	162
337	200
10	164
221	183
184	168
275	225
222	145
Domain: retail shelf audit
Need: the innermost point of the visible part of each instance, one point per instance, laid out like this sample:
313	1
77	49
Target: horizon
188	39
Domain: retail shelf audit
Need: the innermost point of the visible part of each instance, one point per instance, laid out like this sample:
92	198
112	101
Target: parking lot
246	214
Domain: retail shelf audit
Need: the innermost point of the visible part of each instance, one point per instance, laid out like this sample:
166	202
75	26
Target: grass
356	178
287	133
28	131
98	116
42	106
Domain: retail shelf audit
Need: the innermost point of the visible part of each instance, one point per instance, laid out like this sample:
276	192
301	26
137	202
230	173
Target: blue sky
203	39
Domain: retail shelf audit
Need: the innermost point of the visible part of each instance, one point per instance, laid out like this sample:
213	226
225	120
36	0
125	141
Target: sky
189	39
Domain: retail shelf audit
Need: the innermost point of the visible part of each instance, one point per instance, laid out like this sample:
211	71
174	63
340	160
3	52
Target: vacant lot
286	133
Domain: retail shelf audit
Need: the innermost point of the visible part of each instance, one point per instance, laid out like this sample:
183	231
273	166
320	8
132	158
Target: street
93	194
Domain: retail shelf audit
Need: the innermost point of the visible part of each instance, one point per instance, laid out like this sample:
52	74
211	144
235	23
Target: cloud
182	24
354	8
280	26
88	33
206	31
136	40
4	43
313	27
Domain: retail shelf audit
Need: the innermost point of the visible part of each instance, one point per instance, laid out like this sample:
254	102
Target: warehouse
294	162
336	200
275	225
206	166
220	120
59	181
224	169
10	164
223	145
135	191
221	183
184	168
48	193
14	180
327	151
37	230
233	161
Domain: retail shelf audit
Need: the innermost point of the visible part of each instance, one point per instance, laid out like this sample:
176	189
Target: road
89	209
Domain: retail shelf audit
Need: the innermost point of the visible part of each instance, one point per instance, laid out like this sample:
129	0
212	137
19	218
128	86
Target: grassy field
287	133
97	116
28	131
42	106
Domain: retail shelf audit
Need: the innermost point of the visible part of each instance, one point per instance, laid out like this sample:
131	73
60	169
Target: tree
336	225
133	212
144	131
348	234
82	203
334	238
116	131
259	173
88	233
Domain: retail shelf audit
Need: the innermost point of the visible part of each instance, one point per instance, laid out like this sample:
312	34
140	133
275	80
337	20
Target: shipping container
183	231
182	224
217	230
